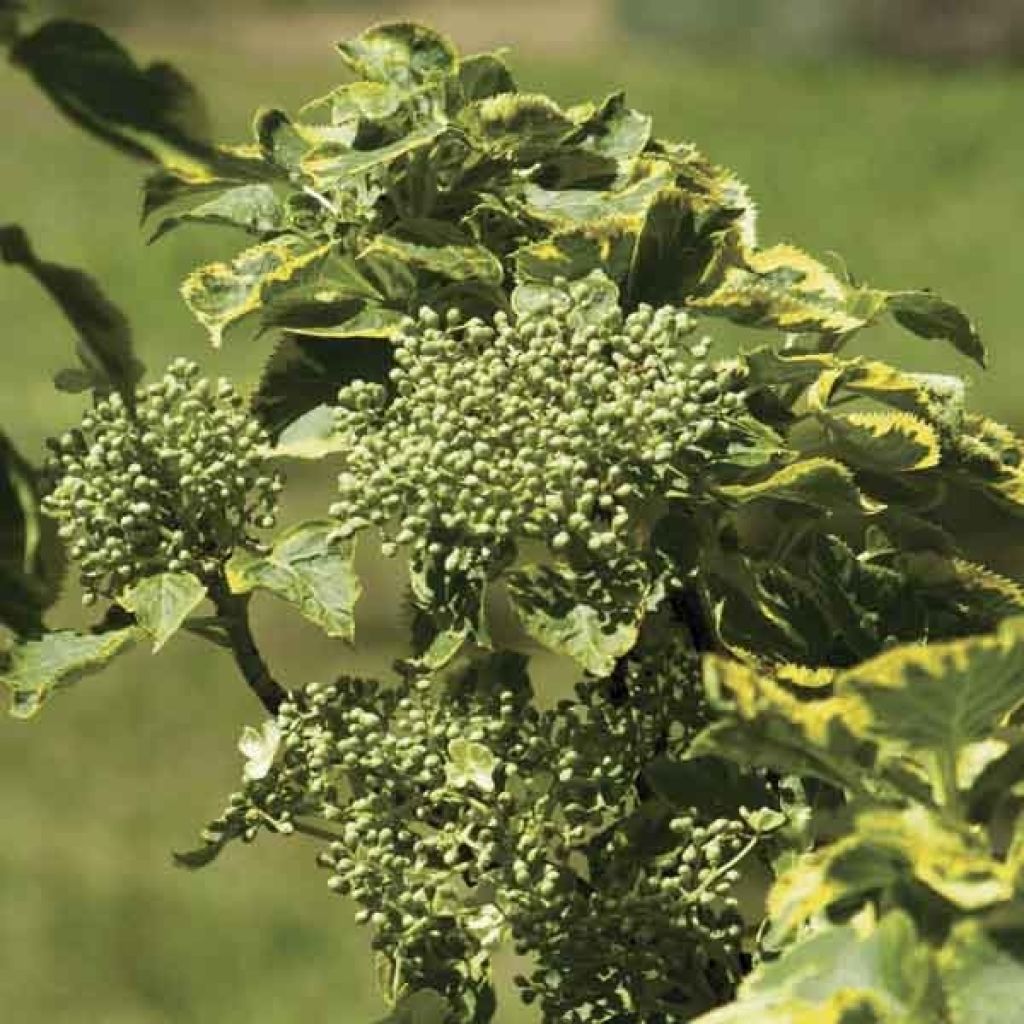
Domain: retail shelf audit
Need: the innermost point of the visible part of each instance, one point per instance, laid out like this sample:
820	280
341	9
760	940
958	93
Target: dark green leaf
712	785
484	74
152	112
344	320
929	316
304	373
673	251
31	556
202	855
279	140
104	343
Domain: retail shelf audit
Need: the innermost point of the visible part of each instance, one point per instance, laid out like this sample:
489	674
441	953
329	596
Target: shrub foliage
779	773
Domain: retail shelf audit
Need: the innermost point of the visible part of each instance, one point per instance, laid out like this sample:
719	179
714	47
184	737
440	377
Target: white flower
470	763
487	926
259	748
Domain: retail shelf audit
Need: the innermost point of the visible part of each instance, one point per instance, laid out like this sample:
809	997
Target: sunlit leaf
887	851
983	972
331	164
887	959
614	130
400	51
765	725
309	568
883	441
162	603
940	697
845	1007
252	208
582	206
784	288
523	124
555	608
220	294
37	668
460	263
602	245
821	483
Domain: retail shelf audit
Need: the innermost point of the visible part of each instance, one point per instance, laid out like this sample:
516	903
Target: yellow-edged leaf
940	697
883	441
819	482
220	294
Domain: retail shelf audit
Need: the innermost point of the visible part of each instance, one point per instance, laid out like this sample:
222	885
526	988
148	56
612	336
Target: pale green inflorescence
459	816
170	483
558	424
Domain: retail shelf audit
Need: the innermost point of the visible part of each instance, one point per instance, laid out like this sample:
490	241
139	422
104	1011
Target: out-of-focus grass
914	178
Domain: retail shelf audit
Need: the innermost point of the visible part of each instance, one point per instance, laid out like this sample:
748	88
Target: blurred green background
889	132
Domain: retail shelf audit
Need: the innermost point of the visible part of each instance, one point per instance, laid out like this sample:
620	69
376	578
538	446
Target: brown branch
233	610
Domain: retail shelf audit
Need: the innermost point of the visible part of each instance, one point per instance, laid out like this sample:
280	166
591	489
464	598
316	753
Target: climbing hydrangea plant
778	774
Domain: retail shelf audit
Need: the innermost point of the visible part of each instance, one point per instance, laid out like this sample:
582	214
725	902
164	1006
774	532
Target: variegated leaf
221	294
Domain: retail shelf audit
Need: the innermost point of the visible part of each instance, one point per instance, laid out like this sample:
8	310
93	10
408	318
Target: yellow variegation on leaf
883	441
784	288
888	849
220	294
818	482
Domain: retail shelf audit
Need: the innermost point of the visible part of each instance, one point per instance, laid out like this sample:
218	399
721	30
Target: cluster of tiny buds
457	815
635	950
170	482
546	426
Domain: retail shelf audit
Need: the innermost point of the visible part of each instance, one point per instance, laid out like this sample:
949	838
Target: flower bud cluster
559	424
651	939
169	483
458	815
